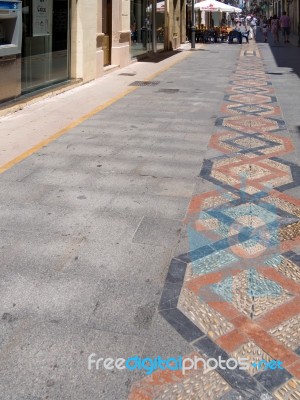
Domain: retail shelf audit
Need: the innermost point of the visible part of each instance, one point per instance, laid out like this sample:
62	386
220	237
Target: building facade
61	40
64	40
292	8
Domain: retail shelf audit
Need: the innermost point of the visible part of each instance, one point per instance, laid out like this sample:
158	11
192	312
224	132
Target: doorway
107	30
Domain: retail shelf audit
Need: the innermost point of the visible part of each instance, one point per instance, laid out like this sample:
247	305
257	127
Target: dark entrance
107	30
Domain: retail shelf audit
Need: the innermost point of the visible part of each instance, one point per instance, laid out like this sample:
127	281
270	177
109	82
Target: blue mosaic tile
213	262
196	254
222	228
197	239
259	286
224	288
250	209
275	261
221	244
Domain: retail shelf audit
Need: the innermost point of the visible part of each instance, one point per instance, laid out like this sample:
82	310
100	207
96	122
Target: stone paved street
165	224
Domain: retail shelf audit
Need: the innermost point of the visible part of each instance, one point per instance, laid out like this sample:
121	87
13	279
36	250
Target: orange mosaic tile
232	340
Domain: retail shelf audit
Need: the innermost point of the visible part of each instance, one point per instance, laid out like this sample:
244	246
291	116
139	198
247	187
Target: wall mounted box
10	49
10	27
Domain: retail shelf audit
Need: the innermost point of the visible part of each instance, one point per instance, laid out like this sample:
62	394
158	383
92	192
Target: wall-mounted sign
5	5
41	17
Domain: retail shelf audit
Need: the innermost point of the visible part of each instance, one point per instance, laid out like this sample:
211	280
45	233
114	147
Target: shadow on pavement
286	55
158	57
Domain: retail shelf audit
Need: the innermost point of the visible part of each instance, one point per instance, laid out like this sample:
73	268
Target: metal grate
128	74
168	91
144	83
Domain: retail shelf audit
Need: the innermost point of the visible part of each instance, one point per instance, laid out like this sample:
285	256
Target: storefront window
141	26
45	44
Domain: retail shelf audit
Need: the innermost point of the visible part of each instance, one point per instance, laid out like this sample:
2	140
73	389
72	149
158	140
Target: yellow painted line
58	134
78	121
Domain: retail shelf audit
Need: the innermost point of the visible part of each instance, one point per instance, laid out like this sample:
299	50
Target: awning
214	5
160	7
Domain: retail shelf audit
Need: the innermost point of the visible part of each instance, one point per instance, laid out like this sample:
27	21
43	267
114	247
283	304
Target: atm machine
10	49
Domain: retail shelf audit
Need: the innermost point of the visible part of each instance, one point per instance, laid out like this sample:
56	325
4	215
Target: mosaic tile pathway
236	292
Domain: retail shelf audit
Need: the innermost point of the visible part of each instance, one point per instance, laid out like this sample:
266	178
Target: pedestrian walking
253	25
285	23
275	28
270	22
265	29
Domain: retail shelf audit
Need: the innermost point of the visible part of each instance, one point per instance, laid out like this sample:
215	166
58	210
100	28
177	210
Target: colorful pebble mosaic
237	291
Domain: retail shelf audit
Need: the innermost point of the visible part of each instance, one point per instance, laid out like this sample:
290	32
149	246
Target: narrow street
155	213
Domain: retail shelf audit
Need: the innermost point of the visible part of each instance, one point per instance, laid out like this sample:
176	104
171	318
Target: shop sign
40	17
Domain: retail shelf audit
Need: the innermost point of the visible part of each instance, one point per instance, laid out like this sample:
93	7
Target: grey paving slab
171	169
8	327
31	216
88	148
119	259
172	346
35	254
16	192
105	181
125	307
158	231
152	184
50	360
150	205
48	179
76	198
50	298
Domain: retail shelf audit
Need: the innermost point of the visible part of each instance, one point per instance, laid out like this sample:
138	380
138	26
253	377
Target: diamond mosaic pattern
253	352
205	317
286	267
193	385
240	280
235	169
252	109
251	124
270	144
251	293
288	332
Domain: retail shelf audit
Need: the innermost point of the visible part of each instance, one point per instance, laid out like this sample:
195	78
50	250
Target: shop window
45	44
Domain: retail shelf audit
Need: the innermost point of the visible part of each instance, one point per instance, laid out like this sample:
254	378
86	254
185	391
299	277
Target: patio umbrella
214	5
160	7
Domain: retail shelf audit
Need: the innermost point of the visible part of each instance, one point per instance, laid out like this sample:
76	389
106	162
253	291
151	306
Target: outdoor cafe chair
235	35
246	36
209	36
199	36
